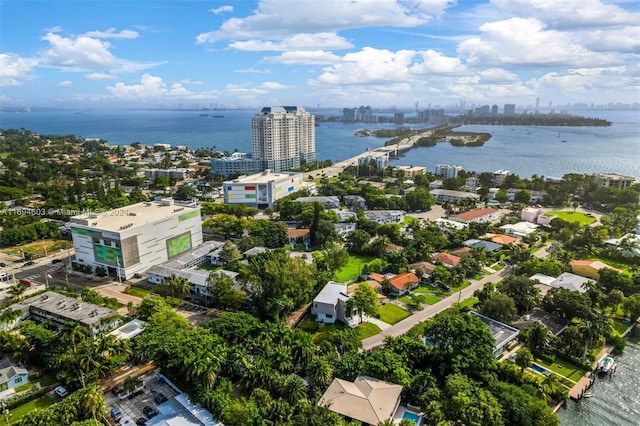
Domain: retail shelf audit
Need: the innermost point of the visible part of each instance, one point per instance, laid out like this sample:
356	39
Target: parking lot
132	407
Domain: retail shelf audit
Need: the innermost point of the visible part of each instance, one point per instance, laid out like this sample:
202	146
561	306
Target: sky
327	53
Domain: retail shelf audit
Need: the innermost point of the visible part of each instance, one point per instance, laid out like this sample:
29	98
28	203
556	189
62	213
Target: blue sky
331	53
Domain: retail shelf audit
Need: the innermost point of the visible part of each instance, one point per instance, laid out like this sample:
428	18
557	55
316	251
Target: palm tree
294	389
590	331
93	400
523	359
74	333
320	371
17	290
181	286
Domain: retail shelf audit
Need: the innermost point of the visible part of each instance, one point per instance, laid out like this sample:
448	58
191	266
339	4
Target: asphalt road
407	324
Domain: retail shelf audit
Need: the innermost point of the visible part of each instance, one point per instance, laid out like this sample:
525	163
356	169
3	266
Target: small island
533	120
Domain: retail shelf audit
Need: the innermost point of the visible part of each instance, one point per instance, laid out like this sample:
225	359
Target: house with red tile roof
297	236
448	260
404	283
477	215
590	268
377	277
426	267
505	239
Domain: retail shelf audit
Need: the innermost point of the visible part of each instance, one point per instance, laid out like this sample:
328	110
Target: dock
580	388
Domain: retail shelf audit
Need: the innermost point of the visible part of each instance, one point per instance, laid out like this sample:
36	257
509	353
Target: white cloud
304	58
319	41
100	76
436	63
65	83
269	22
570	13
14	69
81	52
498	76
150	87
272	85
56	29
192	82
221	9
622	40
252	71
526	43
111	33
368	66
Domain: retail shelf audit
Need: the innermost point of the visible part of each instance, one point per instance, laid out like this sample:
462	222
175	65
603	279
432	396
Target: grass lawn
570	216
137	291
367	330
21	410
470	302
465	284
353	268
46	380
409	219
39	247
431	299
209	267
391	313
619	327
564	368
497	267
430	290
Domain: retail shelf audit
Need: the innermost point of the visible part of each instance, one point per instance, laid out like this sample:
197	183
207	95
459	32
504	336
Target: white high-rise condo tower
282	137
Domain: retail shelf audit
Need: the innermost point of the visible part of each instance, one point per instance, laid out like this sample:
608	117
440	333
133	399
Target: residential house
330	305
12	374
520	229
427	268
628	245
485	245
554	324
328	202
436	184
546	218
448	260
590	268
299	236
368	400
530	214
355	202
383	217
504	239
485	215
449	226
462	252
346	215
502	333
344	229
409	172
403	283
566	280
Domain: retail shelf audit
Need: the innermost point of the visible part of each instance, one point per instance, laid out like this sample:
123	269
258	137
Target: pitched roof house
447	259
12	375
477	215
403	283
590	268
366	399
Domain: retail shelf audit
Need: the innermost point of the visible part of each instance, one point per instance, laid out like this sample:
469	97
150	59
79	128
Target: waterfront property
503	334
130	240
262	189
447	195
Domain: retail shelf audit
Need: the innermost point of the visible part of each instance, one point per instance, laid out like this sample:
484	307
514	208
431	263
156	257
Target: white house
330	305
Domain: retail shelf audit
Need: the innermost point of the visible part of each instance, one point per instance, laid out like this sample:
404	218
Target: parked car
61	391
25	282
29	263
159	397
116	414
137	276
141	421
149	411
54	261
2	264
126	421
444	287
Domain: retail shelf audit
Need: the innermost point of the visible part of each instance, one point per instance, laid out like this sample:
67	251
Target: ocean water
615	401
525	150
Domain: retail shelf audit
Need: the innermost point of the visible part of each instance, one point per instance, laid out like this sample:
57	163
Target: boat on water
606	365
588	394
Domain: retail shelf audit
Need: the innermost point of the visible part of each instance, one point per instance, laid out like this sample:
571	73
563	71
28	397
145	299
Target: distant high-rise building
494	109
282	137
509	109
448	171
537	105
398	117
349	114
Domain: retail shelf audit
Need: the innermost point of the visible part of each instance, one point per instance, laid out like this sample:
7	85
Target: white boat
587	394
607	364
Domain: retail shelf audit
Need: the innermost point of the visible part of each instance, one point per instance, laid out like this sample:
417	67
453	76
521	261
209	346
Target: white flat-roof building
262	189
382	217
448	171
442	195
131	239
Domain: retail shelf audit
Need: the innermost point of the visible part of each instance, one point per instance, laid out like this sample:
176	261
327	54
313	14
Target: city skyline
246	54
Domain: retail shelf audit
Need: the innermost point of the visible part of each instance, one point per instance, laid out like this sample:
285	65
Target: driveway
407	324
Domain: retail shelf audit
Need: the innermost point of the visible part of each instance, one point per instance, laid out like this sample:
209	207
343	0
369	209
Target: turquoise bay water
525	150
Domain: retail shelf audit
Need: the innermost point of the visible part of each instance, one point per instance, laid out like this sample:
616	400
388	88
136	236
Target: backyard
353	268
320	332
20	411
570	216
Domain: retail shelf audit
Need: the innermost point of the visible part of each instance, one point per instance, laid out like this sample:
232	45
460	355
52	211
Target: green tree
364	301
524	358
229	253
500	307
522	291
222	291
535	337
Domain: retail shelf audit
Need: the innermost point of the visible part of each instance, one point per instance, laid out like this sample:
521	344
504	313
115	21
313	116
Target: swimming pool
412	416
539	369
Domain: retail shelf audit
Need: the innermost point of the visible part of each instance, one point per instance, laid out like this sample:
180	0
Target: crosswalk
39	277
